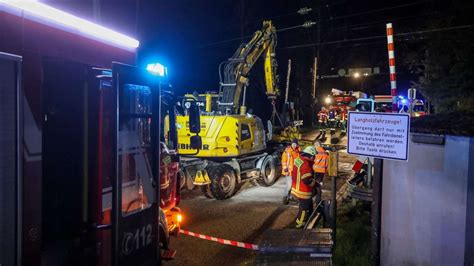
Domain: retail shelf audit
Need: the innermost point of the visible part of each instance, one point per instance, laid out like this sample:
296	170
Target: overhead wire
325	20
375	10
248	36
380	36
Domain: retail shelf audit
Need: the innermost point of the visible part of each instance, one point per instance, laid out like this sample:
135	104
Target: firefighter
344	113
320	167
287	159
332	119
338	116
303	184
322	119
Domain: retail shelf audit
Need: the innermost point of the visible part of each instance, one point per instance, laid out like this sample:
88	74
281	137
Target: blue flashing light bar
157	69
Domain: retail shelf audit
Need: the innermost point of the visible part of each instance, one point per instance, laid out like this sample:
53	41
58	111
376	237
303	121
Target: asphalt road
244	217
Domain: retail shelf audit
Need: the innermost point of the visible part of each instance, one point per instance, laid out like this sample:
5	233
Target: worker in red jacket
303	184
323	120
332	121
344	114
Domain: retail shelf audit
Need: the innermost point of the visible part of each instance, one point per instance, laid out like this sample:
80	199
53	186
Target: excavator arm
234	72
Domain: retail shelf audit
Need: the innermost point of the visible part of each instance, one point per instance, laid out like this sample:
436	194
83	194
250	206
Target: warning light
157	69
180	218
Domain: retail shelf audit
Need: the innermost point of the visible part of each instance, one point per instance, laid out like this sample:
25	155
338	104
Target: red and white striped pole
391	64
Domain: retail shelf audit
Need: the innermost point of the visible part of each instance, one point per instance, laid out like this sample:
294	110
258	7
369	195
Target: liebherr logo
188	147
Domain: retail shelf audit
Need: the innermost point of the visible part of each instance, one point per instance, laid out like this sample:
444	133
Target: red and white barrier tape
220	240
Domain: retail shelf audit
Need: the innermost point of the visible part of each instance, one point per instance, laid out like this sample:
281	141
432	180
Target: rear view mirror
194	118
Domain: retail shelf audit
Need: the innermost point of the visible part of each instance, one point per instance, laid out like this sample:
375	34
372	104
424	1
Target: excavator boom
234	72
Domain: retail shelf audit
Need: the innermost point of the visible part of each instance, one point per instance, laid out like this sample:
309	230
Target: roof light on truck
72	23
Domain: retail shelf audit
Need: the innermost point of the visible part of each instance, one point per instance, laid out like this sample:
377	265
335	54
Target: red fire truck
87	176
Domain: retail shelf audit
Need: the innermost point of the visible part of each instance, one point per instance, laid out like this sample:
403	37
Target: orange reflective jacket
301	171
321	161
287	158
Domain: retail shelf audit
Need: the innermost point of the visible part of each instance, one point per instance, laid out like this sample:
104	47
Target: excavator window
245	132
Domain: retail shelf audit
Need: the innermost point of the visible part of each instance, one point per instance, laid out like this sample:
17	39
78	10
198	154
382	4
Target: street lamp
328	100
357	75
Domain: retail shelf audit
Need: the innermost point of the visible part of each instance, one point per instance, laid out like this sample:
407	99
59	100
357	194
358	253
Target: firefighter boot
301	219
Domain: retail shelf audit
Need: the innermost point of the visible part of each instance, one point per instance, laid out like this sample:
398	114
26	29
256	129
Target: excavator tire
269	173
206	191
223	181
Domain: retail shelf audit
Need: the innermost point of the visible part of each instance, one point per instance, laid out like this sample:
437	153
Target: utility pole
315	77
319	32
286	105
288	81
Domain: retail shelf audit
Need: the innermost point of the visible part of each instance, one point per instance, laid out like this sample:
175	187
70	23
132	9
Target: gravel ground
245	217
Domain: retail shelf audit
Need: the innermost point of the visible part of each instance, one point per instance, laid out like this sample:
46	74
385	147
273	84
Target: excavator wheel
223	181
206	191
268	174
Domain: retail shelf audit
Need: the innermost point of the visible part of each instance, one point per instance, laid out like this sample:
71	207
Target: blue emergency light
157	69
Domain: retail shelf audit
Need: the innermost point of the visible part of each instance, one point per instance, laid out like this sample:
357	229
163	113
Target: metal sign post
332	171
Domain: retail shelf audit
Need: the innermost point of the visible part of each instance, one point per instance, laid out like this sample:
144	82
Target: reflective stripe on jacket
301	171
287	158
321	161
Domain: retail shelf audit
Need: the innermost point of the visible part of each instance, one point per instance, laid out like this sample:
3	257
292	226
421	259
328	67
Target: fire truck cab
87	174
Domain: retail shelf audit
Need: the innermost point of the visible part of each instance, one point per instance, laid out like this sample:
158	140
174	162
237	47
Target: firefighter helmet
310	150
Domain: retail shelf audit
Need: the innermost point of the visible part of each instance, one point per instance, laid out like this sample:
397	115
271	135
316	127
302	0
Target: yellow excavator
234	143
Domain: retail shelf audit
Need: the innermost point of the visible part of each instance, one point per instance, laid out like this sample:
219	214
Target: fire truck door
10	159
135	198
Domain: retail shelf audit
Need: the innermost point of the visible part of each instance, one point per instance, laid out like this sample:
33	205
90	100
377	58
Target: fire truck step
168	254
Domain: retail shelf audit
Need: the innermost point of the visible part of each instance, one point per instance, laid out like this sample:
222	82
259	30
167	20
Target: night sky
192	38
